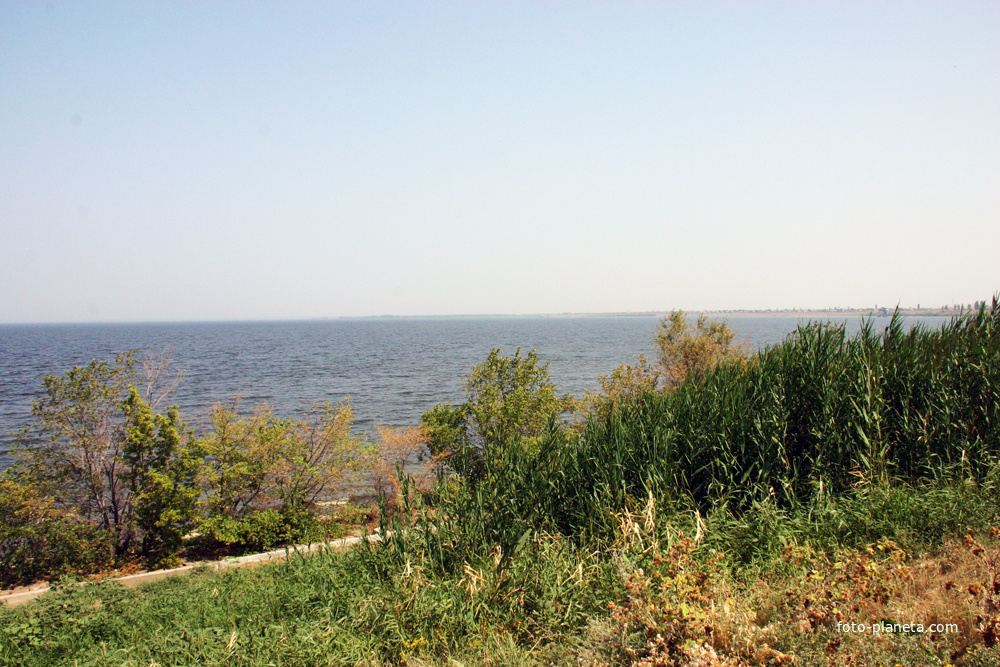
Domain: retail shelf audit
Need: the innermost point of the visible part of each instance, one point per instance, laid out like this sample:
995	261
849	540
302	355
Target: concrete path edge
133	580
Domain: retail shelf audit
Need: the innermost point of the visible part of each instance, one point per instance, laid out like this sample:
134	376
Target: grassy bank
661	593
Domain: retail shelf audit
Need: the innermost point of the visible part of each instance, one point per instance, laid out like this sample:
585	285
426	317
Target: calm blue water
392	369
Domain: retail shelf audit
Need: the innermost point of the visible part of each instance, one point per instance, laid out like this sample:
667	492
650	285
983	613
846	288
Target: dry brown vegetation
399	448
684	611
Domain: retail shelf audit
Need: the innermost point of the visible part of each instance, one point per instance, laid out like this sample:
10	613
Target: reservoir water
393	369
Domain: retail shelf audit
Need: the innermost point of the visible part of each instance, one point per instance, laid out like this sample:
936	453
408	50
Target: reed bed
825	439
800	426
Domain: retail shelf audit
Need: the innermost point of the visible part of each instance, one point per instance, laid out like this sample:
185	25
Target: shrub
264	528
399	448
509	398
261	472
445	428
98	451
683	350
692	351
38	541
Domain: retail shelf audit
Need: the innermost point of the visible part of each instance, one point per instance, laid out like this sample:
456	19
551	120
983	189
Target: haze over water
393	369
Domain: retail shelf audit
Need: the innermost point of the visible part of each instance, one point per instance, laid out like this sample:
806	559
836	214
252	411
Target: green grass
324	609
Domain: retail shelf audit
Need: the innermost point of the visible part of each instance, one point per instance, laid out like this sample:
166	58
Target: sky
176	161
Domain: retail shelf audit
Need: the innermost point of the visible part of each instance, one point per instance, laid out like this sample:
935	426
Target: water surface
391	369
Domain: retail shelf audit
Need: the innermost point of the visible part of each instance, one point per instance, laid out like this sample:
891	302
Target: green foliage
161	473
683	350
262	472
98	450
263	529
509	399
98	465
816	415
325	609
445	425
240	452
38	540
512	397
820	416
318	452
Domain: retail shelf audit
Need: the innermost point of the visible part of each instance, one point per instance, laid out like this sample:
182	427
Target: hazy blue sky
234	160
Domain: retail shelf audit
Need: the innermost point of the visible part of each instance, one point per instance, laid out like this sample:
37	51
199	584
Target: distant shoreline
794	312
838	312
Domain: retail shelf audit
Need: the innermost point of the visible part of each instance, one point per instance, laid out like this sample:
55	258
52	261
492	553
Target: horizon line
789	312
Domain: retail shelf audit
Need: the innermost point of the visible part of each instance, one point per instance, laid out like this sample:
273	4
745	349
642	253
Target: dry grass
401	448
686	610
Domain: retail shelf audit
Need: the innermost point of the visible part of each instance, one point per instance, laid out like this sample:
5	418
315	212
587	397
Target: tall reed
819	415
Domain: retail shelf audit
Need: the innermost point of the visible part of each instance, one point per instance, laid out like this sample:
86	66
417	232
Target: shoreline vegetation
832	499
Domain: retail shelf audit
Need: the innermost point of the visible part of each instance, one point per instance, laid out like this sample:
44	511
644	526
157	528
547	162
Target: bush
399	448
263	529
261	473
509	399
37	541
693	351
96	449
683	351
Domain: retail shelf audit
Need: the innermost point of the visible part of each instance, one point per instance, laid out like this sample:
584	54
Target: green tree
509	398
161	467
72	449
240	451
96	448
512	397
446	428
320	453
262	472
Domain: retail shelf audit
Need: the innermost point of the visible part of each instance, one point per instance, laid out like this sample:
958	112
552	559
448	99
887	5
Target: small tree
96	448
261	471
509	398
685	350
72	449
321	452
161	468
512	397
240	452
